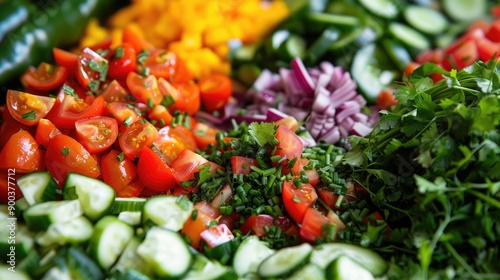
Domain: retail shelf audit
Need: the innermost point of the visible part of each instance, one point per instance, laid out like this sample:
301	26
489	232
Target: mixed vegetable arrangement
132	161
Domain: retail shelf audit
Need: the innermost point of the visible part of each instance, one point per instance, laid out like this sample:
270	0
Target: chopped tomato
217	235
312	224
133	189
28	108
290	122
96	134
290	145
225	194
386	99
464	55
335	219
433	56
241	165
91	68
493	32
182	73
122	61
66	59
257	224
45	131
328	197
9	126
154	172
487	49
186	95
115	92
206	208
204	135
408	70
64	154
136	136
173	140
161	64
68	109
215	90
144	89
132	36
311	173
123	113
46	77
194	226
161	115
298	200
117	171
186	164
469	36
22	153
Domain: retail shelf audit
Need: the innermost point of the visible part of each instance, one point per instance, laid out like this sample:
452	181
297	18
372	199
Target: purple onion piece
327	67
332	136
322	100
273	115
347	123
263	81
361	129
302	76
346	109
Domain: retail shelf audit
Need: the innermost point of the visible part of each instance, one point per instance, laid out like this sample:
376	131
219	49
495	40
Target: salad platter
250	139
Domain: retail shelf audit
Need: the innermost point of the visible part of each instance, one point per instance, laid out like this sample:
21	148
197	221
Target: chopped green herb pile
432	169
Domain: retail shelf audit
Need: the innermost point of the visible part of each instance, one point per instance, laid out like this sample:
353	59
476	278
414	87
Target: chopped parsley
65	151
29	116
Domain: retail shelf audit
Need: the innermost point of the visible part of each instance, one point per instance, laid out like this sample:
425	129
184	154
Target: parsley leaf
263	133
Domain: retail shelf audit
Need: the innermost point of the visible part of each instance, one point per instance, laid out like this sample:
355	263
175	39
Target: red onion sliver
361	129
302	76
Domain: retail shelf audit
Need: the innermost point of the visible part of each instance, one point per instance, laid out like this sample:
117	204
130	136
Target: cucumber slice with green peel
30	263
129	259
308	272
76	231
203	268
130	274
40	216
293	46
14	236
21	206
425	19
108	240
398	54
343	268
7	272
166	252
128	204
465	10
170	212
95	196
409	36
249	255
321	45
334	19
382	8
285	261
326	253
38	187
131	218
57	273
81	266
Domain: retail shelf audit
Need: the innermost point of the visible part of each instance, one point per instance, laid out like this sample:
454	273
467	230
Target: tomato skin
120	111
204	135
44	78
297	201
215	91
207	209
96	134
132	37
173	140
22	153
186	164
162	64
186	95
85	74
290	145
386	99
487	49
78	159
144	89
161	115
115	173
241	165
312	224
133	189
68	109
137	136
493	32
119	68
20	103
10	126
66	59
464	55
45	131
230	220
193	228
217	235
156	175
256	224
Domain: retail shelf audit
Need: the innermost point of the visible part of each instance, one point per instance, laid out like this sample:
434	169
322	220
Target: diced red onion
361	129
264	81
273	115
303	77
346	109
332	136
327	67
321	101
347	123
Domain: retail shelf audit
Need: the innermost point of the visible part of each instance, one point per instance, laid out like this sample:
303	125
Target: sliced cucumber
40	216
203	268
30	263
309	272
74	231
95	196
465	10
326	253
169	212
343	268
129	259
21	206
129	204
293	46
321	45
285	261
397	53
382	8
14	236
409	36
249	255
38	187
166	252
130	274
425	19
57	273
131	218
108	240
7	272
82	266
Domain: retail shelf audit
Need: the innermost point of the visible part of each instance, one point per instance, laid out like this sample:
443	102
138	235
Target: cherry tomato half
28	108
96	134
215	90
298	200
45	78
22	153
137	136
